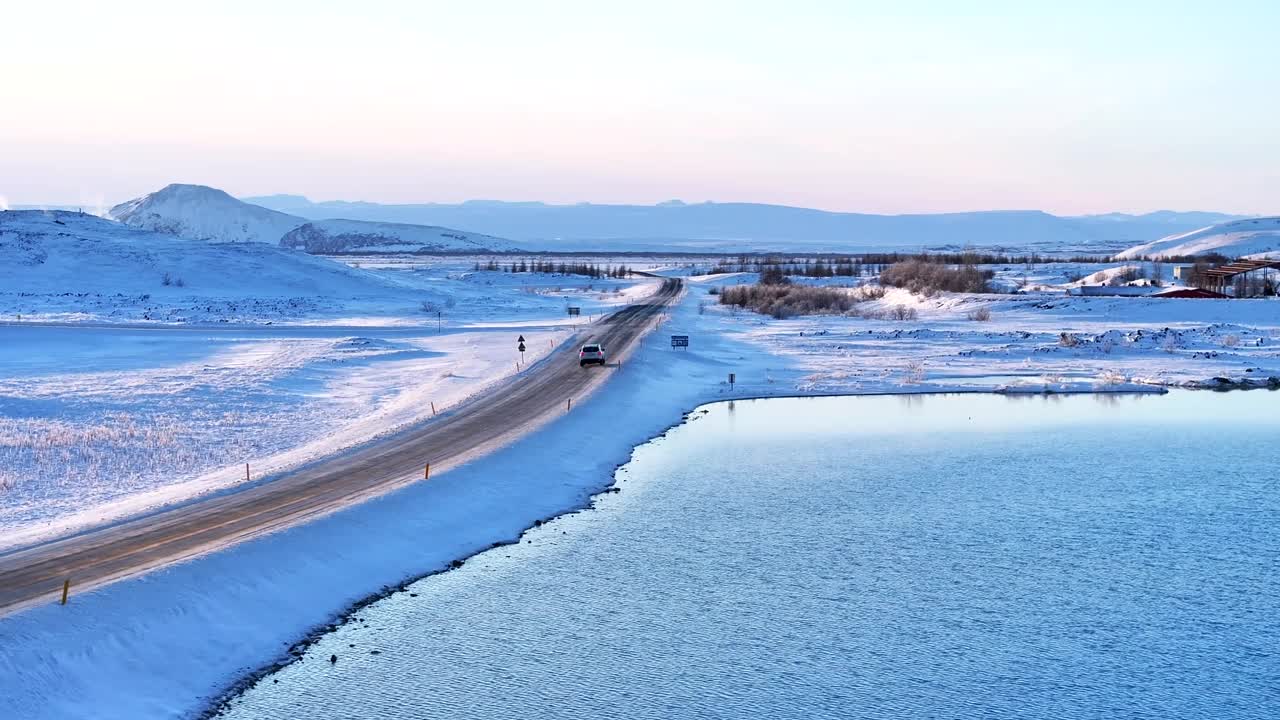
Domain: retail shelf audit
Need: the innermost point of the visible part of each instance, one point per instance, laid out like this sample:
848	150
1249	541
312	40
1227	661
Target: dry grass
927	278
784	301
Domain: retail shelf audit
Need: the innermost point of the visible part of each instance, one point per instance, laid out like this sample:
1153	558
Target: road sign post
520	347
679	341
731	379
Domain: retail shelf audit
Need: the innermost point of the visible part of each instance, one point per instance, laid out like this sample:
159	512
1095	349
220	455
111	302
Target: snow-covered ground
191	630
1033	341
110	408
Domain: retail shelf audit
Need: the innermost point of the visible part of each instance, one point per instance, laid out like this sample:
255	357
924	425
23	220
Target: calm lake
957	556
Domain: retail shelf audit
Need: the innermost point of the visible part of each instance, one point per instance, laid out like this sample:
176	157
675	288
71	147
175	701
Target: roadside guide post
731	379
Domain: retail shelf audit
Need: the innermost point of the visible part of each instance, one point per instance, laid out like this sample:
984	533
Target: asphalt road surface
34	575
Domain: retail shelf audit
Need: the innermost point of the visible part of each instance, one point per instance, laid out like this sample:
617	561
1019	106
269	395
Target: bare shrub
783	301
774	275
869	292
1231	341
1125	276
166	280
903	312
915	372
982	314
925	278
1067	339
1112	377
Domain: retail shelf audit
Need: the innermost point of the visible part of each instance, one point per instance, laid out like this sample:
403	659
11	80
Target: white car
591	353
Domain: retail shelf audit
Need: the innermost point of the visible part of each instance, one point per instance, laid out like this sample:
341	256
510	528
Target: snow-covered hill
67	265
334	236
1254	237
197	212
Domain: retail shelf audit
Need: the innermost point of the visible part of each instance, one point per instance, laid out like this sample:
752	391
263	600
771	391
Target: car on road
591	353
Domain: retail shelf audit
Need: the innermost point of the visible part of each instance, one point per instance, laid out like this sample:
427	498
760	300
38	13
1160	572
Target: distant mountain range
196	212
733	227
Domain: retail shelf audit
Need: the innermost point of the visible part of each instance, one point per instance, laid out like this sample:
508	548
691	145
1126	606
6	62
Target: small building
1243	278
1183	272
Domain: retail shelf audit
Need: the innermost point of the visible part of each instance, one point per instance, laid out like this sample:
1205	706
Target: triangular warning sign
521	339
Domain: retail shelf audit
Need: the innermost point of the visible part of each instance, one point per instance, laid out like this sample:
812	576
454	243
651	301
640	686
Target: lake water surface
961	556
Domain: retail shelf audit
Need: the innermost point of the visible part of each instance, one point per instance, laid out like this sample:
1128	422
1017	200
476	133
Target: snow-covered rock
197	212
335	236
1253	237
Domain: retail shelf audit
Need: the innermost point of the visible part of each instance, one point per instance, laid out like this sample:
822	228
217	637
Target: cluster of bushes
546	266
784	300
926	277
806	267
874	263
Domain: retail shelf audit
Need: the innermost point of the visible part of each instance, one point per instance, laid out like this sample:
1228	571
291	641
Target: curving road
34	575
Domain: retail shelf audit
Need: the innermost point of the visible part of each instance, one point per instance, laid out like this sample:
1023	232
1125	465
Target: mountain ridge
758	226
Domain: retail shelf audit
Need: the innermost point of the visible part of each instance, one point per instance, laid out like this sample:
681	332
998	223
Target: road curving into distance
34	575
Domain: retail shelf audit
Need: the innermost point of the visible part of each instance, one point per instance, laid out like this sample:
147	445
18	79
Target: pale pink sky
838	105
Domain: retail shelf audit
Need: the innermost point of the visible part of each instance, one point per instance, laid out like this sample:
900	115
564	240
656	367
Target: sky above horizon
911	106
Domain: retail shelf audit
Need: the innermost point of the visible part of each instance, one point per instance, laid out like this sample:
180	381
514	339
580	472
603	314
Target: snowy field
1026	342
110	409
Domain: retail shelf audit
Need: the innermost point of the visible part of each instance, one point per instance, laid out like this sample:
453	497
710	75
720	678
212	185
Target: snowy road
34	575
